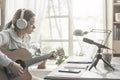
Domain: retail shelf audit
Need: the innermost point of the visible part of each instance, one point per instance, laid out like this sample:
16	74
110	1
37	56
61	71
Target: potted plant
60	59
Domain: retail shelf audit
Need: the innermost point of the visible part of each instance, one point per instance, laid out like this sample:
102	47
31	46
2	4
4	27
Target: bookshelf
116	26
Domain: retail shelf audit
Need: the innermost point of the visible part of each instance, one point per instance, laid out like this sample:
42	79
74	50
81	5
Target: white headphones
21	22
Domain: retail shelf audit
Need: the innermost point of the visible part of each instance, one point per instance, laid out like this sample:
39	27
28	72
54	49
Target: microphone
92	42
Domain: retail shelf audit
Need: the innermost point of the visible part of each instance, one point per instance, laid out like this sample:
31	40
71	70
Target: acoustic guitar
24	58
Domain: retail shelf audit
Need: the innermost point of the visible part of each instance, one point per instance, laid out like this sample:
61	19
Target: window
88	15
55	29
64	16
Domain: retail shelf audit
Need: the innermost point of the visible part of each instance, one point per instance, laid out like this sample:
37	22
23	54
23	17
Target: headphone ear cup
21	23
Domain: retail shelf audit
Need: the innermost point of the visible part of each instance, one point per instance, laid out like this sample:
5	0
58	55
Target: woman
16	35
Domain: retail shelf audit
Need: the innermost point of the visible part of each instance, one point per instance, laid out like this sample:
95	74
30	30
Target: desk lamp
79	32
100	46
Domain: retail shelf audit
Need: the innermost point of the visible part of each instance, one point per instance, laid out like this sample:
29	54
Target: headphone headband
22	13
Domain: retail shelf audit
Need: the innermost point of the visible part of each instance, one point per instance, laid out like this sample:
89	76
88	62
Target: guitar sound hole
21	62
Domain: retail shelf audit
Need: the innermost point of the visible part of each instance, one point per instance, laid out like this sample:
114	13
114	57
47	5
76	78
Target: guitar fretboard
37	59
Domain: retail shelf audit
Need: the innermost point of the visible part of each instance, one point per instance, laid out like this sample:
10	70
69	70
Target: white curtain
88	15
37	6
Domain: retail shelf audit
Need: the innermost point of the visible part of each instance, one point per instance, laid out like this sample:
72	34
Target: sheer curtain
37	6
88	15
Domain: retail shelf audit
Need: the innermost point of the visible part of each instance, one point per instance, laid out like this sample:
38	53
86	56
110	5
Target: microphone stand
97	58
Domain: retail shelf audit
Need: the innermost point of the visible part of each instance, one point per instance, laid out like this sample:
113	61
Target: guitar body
21	54
2	74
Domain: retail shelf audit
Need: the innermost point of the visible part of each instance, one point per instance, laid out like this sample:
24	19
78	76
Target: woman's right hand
15	69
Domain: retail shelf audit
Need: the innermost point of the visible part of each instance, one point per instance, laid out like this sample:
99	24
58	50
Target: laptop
85	59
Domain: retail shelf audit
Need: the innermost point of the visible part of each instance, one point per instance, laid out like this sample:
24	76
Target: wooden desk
94	74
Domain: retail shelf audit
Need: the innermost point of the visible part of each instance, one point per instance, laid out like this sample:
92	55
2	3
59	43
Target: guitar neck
37	59
24	59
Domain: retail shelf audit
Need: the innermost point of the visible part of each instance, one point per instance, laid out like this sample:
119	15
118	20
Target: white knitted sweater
10	40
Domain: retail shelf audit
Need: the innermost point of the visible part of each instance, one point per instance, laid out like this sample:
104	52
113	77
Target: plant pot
42	65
